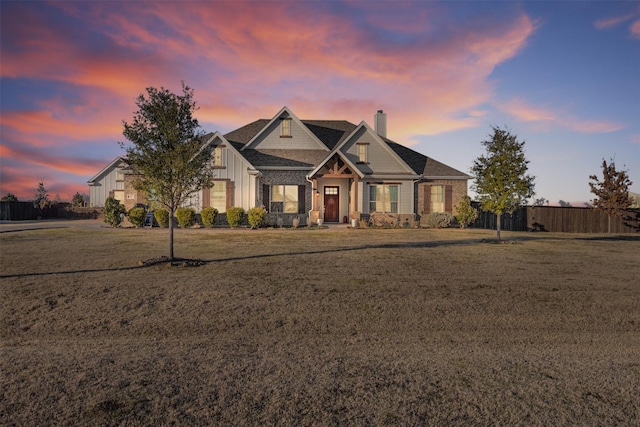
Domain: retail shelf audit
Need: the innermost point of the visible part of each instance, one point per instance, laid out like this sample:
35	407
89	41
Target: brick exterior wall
458	191
138	196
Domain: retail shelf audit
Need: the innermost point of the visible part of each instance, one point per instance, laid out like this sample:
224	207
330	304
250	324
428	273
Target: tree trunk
608	224
171	234
498	219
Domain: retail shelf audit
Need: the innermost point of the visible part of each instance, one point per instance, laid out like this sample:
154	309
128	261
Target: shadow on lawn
182	262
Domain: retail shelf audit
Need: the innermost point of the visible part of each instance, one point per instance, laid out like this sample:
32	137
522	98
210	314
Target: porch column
314	195
354	194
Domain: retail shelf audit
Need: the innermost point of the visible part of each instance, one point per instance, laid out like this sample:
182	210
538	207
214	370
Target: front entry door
331	204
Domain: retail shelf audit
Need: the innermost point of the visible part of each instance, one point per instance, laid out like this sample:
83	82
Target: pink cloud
605	23
635	29
525	112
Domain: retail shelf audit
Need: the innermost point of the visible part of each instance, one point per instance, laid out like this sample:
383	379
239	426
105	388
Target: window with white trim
219	196
285	128
217	156
437	198
363	153
284	198
383	198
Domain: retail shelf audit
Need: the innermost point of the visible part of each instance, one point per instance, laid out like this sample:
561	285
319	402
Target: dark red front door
331	204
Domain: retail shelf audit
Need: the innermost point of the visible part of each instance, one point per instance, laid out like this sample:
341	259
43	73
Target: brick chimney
380	123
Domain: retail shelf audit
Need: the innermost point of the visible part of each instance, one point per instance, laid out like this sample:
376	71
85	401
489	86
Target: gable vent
380	123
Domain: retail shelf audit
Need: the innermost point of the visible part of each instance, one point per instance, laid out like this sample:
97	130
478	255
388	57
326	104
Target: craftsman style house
316	169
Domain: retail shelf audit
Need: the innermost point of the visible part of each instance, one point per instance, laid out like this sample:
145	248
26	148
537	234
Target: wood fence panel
560	219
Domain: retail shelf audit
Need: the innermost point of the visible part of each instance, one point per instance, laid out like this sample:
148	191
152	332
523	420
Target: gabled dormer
285	131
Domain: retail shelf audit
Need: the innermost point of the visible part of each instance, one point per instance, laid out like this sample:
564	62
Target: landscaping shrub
256	216
113	212
186	217
209	216
465	213
162	217
235	216
439	220
137	216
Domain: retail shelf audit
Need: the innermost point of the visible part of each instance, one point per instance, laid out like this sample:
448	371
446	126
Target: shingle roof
331	133
423	165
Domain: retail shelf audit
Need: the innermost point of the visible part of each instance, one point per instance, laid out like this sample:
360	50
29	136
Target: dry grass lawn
319	327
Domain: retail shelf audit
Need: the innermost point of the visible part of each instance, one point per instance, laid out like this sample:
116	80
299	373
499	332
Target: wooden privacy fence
24	211
560	219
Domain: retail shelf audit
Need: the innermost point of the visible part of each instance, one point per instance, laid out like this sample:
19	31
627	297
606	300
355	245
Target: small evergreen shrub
137	216
113	212
235	216
162	217
209	216
439	220
186	217
465	213
256	216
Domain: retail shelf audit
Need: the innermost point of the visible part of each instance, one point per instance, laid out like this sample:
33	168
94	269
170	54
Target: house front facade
331	170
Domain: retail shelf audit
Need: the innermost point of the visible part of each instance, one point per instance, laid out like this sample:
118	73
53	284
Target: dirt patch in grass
319	327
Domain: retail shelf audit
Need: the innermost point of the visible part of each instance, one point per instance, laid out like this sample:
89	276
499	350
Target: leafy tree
540	202
612	194
564	204
465	213
77	201
113	212
9	197
501	179
42	196
166	151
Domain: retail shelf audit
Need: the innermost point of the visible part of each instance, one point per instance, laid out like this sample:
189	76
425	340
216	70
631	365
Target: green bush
235	216
465	213
113	212
439	220
256	216
162	217
209	216
137	216
186	217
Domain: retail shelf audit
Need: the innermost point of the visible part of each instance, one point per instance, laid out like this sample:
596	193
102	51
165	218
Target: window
362	153
437	198
219	196
284	198
217	157
383	198
119	176
119	195
285	128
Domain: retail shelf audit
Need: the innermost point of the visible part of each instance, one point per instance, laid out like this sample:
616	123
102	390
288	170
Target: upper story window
217	156
363	153
285	128
119	175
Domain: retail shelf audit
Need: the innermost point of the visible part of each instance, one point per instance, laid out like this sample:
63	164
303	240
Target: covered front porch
337	192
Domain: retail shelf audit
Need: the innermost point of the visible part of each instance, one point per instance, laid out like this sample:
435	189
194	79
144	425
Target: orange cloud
66	164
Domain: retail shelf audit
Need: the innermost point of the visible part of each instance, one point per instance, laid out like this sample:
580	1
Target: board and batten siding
241	186
99	191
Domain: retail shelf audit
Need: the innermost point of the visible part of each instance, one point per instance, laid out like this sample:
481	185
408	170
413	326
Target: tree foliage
77	201
9	197
465	213
41	199
501	179
612	193
113	212
166	151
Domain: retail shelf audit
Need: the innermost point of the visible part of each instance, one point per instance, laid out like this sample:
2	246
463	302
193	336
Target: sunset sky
563	76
